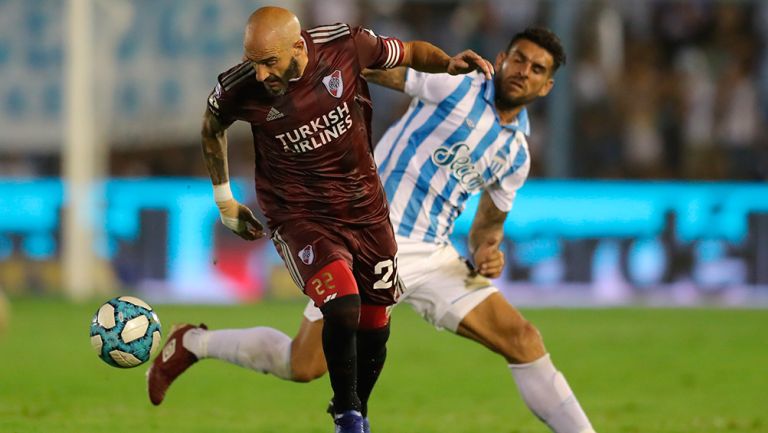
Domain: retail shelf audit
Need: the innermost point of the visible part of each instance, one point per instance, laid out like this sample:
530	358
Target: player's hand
238	218
489	260
468	61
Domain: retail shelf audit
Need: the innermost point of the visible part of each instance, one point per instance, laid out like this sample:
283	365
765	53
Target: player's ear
547	87
499	60
298	47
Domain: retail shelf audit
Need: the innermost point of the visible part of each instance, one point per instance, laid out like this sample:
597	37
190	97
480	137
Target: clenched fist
489	260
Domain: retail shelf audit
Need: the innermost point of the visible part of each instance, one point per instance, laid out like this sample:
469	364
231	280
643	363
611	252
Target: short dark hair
546	39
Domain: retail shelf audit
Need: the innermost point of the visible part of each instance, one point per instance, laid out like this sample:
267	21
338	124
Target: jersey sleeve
431	87
223	101
504	190
377	52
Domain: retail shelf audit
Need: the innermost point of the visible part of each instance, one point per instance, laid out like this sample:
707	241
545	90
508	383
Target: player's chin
275	89
516	99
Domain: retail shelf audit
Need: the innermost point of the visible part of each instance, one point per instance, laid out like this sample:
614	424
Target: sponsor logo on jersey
273	114
319	131
459	161
334	84
307	255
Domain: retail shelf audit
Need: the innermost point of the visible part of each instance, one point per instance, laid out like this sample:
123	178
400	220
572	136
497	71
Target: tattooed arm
485	237
214	136
235	216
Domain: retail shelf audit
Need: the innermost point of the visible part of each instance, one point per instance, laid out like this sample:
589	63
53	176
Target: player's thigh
306	248
375	264
307	358
498	325
441	287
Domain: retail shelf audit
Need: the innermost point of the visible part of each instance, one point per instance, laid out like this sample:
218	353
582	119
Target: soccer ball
125	332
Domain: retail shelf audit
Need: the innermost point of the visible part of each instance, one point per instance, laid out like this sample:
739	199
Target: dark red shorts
370	252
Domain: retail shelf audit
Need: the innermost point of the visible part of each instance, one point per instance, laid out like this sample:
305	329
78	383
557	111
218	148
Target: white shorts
439	284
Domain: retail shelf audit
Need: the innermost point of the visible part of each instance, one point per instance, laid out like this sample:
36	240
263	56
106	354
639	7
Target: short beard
504	103
290	73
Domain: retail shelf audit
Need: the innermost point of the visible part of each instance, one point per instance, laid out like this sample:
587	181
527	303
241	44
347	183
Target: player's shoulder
436	87
238	79
328	34
444	79
236	74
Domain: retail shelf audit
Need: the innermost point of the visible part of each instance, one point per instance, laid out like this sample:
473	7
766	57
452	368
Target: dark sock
371	354
341	317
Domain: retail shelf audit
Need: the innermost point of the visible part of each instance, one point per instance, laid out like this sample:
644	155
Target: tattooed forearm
214	141
392	78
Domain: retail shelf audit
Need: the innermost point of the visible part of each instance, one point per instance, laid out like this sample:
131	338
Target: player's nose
261	72
525	70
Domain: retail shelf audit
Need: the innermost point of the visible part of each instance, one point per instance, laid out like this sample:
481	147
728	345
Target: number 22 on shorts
389	269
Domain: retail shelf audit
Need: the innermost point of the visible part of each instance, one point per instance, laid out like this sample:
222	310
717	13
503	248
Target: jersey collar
521	122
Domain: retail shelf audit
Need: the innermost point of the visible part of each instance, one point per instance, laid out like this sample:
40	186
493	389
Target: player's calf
307	361
371	350
341	316
548	395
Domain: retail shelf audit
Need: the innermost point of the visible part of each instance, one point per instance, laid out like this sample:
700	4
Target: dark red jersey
312	144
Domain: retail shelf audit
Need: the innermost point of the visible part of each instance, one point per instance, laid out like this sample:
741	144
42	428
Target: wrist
222	193
472	249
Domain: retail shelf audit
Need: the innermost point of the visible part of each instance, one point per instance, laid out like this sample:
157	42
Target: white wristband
222	192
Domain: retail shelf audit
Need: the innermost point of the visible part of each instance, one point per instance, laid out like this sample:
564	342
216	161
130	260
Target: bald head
273	44
271	28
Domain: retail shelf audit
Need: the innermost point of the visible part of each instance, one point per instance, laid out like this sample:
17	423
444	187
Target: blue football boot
350	421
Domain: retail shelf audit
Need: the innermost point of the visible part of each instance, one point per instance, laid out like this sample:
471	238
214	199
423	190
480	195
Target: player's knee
343	312
523	344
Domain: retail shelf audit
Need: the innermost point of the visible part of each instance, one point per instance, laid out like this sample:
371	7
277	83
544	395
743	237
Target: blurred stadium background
649	158
648	188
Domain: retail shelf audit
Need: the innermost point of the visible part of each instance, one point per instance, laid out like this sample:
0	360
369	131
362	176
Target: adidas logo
274	114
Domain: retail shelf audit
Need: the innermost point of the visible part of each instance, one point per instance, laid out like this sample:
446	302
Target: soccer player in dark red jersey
317	185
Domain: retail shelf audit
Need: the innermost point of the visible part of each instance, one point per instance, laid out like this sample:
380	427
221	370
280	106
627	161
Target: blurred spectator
660	89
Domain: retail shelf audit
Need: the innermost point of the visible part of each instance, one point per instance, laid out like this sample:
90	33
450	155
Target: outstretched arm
425	57
234	215
485	237
392	78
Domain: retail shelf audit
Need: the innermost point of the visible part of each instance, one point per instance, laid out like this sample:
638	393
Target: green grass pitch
634	370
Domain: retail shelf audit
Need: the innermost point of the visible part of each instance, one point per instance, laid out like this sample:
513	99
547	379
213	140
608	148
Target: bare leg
307	358
498	325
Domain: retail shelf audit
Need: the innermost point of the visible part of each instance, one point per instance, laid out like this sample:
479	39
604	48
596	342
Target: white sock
548	396
262	349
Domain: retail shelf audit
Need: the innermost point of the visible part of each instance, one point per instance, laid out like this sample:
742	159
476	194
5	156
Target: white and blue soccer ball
125	332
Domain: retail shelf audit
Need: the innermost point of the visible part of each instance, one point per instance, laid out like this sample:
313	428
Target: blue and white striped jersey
447	146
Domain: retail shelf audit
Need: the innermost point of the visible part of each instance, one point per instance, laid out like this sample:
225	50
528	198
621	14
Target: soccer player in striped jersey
317	185
465	135
461	135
